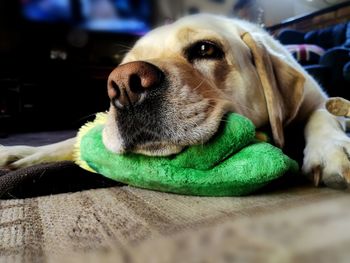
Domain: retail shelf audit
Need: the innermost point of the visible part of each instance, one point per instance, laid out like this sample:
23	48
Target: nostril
135	84
160	77
116	89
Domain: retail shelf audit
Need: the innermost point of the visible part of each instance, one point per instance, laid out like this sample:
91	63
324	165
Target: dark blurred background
55	55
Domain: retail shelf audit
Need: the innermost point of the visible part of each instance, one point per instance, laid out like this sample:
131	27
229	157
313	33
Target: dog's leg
15	157
327	151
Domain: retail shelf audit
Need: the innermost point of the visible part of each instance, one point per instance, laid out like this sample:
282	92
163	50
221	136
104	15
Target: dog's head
174	86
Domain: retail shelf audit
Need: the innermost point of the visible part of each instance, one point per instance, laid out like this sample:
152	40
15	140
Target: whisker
198	86
239	104
84	118
201	139
121	49
245	107
124	46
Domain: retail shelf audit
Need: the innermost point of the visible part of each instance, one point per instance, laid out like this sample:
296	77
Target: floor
295	224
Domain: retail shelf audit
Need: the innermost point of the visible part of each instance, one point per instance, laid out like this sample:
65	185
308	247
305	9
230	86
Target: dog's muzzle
136	90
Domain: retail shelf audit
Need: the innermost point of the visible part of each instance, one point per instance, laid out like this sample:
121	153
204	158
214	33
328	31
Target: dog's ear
283	86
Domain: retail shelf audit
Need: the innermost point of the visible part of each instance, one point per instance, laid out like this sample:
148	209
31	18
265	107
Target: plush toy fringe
100	118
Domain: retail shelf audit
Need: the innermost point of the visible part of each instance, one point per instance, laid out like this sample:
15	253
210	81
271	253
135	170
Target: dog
174	86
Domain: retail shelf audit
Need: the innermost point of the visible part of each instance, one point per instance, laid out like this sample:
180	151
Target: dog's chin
113	142
148	149
158	149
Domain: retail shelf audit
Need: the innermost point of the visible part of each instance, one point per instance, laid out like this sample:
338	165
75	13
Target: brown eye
207	50
204	50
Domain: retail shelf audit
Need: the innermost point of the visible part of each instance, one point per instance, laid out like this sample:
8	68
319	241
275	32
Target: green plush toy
232	163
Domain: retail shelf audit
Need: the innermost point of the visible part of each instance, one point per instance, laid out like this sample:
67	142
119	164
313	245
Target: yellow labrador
175	85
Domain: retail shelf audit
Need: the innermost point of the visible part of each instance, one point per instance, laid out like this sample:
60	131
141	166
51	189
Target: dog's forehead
169	40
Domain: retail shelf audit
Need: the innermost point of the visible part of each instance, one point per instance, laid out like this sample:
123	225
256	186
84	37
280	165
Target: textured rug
125	224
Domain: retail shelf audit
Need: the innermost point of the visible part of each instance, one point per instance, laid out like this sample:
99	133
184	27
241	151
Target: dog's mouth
146	136
164	148
147	144
157	131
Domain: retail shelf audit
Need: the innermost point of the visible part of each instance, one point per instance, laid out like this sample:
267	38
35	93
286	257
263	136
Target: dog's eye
204	50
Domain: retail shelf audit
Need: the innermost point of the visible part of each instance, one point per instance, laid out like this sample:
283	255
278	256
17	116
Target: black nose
129	83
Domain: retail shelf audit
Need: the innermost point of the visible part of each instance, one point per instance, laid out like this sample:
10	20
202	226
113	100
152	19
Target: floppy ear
283	87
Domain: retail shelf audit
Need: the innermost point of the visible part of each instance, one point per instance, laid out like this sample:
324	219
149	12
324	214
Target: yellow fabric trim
101	118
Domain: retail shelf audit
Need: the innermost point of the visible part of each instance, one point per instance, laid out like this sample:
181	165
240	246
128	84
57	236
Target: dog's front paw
328	162
15	157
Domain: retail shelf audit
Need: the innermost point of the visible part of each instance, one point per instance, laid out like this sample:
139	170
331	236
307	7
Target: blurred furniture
320	42
325	54
330	16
